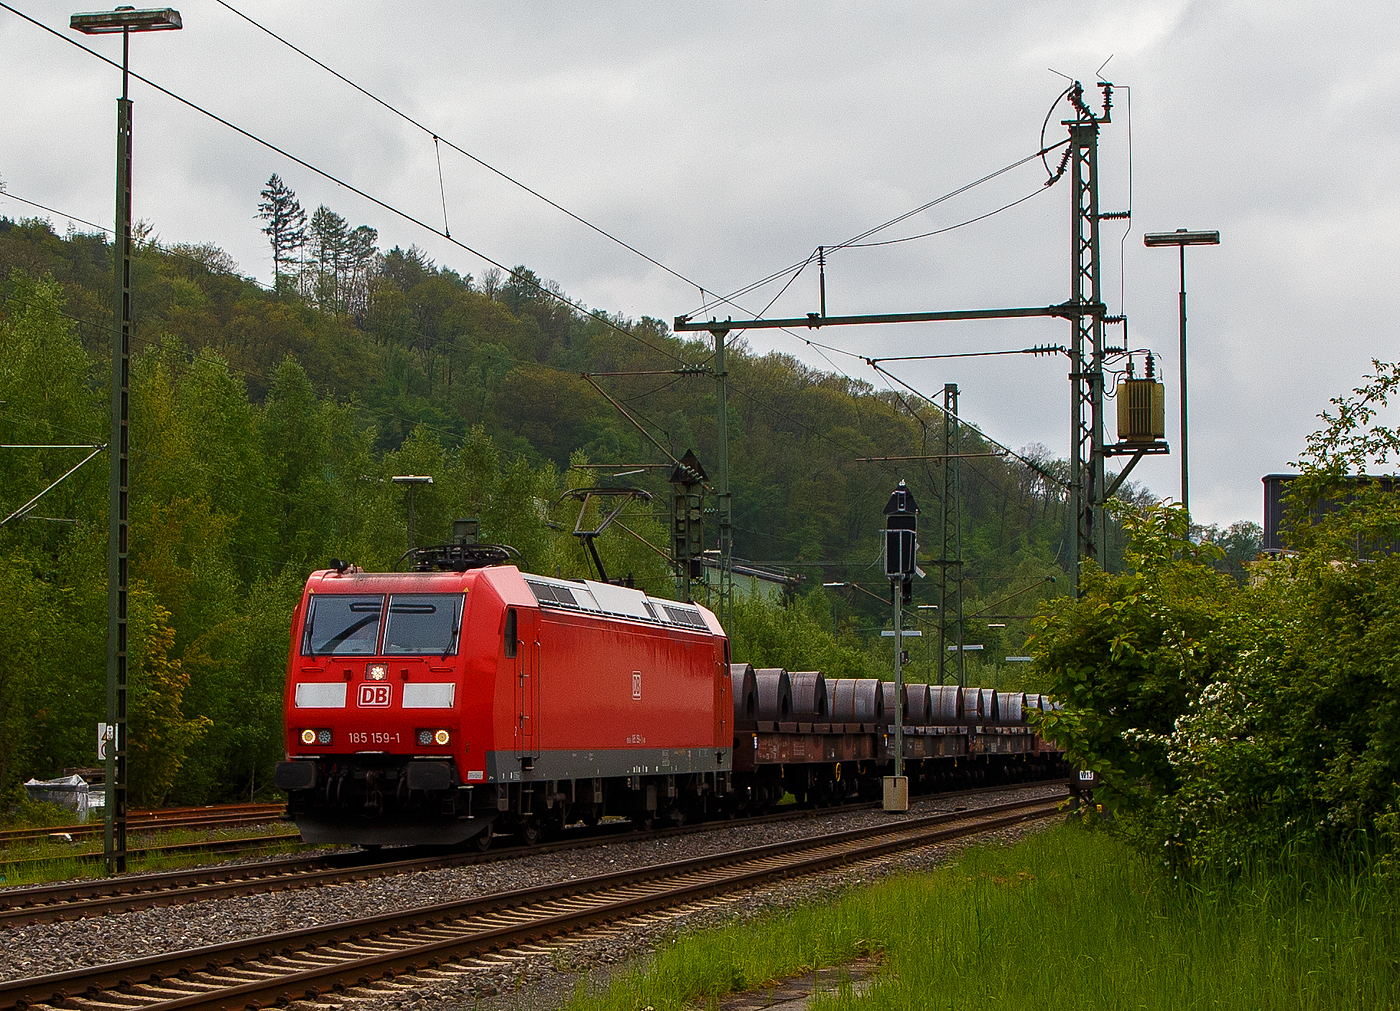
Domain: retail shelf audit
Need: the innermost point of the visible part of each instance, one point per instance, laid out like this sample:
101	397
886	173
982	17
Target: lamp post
124	20
835	616
1181	238
413	481
928	640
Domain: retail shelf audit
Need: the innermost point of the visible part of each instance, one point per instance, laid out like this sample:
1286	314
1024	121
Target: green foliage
1337	507
1126	656
1240	543
158	732
795	635
1229	721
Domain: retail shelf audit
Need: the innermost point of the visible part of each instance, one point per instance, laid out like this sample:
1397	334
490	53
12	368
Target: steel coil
809	701
745	689
774	695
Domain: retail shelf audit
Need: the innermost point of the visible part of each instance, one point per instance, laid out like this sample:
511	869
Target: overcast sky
727	140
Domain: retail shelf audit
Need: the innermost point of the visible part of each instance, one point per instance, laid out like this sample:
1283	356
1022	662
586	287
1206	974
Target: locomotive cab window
423	623
510	633
342	625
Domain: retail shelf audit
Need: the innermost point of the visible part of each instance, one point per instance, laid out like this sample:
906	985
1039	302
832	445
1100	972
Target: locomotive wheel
483	839
529	831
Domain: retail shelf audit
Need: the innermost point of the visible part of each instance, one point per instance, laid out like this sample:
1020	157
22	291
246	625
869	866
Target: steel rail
107	896
147	821
241	844
290	965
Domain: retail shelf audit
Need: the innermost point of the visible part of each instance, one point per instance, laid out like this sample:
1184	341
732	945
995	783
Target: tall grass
1066	919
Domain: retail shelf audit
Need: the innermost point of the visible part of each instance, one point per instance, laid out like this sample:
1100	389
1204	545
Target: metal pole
957	535
114	811
949	409
952	535
723	501
1097	483
412	492
1086	347
898	678
1185	499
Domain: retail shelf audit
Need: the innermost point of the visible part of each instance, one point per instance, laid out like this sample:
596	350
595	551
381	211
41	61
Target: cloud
732	138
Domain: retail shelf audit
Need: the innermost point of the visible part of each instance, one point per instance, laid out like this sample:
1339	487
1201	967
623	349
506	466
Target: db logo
375	696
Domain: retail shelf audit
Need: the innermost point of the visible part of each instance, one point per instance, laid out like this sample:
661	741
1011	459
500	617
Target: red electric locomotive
437	706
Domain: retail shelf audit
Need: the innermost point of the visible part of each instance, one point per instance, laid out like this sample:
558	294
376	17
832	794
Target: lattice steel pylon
1086	349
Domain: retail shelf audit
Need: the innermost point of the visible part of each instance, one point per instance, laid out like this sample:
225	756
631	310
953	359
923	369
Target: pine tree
286	224
361	249
330	249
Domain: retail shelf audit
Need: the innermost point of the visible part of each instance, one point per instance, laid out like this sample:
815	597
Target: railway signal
901	535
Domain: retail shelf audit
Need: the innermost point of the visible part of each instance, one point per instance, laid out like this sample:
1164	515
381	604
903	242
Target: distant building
768	582
1276	508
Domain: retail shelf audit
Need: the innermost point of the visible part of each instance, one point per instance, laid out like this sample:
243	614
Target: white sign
1085	776
104	734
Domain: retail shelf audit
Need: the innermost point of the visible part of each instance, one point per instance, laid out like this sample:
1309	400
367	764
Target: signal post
901	565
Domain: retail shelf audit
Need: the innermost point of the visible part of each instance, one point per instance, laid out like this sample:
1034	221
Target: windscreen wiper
344	634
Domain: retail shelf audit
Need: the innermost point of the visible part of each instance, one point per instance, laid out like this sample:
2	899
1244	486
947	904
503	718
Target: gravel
57	947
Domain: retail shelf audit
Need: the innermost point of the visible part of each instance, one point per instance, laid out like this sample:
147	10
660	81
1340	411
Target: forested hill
265	426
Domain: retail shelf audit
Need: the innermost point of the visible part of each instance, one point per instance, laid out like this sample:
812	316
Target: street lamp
125	20
835	617
413	481
1181	238
928	639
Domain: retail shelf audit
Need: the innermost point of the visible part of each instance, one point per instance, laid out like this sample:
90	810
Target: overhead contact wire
860	237
462	151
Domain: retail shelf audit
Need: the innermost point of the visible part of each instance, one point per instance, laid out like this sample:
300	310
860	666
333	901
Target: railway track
220	816
277	968
80	900
222	846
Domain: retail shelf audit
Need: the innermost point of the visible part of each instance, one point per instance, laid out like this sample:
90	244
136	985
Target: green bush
1232	722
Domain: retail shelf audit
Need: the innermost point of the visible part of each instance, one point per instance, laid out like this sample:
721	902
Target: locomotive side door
527	687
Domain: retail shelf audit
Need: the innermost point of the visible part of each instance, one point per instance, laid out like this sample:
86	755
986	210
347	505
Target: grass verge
1067	918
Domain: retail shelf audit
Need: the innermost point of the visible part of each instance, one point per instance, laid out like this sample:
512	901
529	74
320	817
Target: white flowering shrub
1232	723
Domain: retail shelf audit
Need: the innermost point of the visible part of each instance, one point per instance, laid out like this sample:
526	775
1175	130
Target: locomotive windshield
340	624
423	623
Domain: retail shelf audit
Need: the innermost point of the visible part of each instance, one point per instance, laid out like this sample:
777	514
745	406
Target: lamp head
127	19
1181	237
